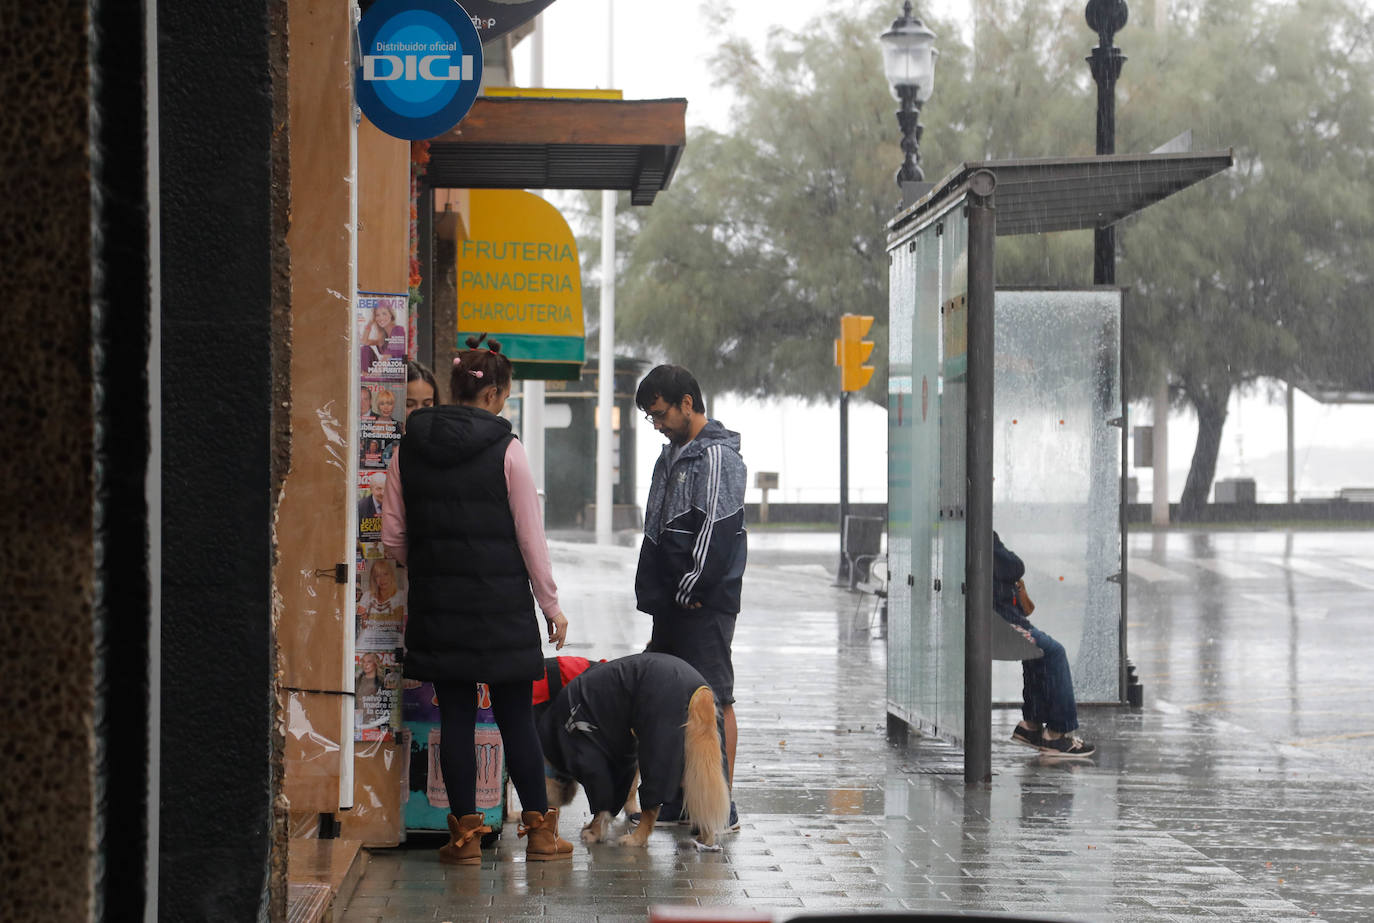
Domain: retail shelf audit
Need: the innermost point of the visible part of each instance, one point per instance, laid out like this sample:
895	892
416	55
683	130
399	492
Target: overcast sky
662	50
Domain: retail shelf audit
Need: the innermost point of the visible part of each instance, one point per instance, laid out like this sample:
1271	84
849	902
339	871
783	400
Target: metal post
605	401
532	391
910	177
982	235
909	120
1106	18
1292	472
605	435
842	574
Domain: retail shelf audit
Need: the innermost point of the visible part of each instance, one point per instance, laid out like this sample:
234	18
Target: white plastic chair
875	585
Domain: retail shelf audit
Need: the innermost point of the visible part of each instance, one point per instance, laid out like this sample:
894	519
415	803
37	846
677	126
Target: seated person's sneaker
671	812
1031	737
1068	745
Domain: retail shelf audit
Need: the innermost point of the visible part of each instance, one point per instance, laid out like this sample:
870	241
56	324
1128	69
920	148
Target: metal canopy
539	143
1357	391
1074	193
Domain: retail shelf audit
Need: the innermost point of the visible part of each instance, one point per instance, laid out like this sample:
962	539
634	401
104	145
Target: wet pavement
1240	792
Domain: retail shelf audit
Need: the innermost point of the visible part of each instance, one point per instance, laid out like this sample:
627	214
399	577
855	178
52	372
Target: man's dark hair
672	383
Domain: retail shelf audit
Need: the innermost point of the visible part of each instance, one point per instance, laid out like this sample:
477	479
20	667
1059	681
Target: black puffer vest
471	611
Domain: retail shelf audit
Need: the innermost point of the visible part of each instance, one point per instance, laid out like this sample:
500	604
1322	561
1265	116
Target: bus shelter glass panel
925	631
947	643
1057	474
902	415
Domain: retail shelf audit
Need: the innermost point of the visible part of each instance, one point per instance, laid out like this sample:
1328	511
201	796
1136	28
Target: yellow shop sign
519	280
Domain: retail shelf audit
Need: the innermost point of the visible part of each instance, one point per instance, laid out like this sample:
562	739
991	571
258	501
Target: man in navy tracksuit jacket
691	564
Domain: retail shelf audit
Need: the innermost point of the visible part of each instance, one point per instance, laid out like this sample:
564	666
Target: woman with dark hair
463	515
421	388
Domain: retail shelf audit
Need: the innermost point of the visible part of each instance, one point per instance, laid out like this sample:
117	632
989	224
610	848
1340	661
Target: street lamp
1106	18
909	63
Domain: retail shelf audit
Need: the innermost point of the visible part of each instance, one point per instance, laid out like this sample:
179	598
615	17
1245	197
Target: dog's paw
634	838
597	828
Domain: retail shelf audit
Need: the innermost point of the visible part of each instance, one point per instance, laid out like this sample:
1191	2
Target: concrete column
1159	499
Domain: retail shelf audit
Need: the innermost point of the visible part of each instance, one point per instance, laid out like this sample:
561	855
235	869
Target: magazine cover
376	695
381	406
381	606
381	332
371	500
382	320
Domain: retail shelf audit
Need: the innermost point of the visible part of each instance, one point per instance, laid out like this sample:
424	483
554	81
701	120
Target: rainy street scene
1240	791
490	461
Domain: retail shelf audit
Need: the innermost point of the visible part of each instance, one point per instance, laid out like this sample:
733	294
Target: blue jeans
1047	687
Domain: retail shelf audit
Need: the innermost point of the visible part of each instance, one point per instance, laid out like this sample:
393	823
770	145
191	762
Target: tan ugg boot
464	840
544	842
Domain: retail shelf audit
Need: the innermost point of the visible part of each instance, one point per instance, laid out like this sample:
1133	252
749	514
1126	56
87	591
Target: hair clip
475	373
457	361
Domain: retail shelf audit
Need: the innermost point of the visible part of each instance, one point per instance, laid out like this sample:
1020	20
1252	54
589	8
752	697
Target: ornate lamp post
1106	18
909	63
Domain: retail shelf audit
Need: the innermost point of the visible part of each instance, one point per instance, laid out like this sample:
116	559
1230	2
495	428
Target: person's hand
558	629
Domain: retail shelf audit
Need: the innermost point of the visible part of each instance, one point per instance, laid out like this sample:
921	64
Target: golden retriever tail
705	792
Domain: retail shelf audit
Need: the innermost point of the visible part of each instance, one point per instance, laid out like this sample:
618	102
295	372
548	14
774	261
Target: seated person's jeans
1047	687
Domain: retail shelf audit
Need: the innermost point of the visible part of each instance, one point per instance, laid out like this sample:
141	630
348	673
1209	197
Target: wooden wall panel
383	211
377	816
312	523
314	732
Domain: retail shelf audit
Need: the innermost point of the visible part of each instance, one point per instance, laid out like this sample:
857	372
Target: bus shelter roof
1034	196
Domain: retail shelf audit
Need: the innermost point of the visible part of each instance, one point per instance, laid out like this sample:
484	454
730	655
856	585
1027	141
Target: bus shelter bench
1010	644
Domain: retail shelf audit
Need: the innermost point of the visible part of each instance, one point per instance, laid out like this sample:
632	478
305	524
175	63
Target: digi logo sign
421	66
390	67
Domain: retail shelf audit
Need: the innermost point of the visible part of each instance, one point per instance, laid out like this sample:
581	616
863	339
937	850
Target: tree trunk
1210	406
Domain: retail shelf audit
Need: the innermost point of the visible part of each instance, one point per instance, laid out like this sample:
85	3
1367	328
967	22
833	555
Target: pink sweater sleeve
529	528
394	511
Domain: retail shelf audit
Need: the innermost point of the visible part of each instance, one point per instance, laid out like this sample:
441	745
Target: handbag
1022	599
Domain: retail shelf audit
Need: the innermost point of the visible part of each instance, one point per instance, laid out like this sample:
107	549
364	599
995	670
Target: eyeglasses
654	416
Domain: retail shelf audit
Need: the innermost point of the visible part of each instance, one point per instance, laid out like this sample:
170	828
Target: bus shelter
1043	463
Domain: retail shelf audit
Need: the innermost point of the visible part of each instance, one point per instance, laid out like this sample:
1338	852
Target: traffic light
852	351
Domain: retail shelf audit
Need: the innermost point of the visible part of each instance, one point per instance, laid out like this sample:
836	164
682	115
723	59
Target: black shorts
702	637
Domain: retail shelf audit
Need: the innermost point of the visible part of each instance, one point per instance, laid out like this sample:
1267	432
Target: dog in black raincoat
648	712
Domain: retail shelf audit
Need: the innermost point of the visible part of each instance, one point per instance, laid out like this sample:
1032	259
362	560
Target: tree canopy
776	226
1262	271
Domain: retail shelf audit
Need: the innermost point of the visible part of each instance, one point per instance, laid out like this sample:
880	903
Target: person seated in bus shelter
1049	714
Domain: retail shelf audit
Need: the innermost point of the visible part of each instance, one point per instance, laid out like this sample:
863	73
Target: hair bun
494	346
474	340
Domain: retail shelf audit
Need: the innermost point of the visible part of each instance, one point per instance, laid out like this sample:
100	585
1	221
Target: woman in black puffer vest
466	522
